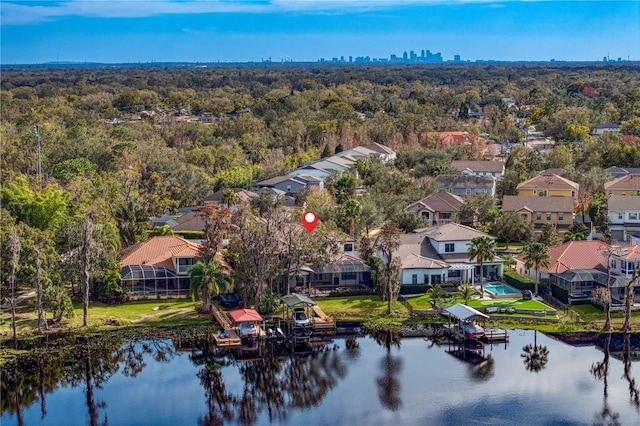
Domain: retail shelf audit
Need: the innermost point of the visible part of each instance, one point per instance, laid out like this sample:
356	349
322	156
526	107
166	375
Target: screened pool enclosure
152	281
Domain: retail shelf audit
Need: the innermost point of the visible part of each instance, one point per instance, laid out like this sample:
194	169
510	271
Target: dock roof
245	315
464	312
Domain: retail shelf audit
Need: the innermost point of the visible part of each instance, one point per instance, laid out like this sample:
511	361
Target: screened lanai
151	281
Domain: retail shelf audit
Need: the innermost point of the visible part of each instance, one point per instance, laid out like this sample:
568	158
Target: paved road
19	299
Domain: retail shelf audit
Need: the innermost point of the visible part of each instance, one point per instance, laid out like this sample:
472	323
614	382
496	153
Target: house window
538	216
573	193
535	191
614	263
633	216
288	188
467	191
348	276
545	193
610	192
414	279
548	216
620	216
445	215
184	264
560	216
348	247
449	247
524	216
425	215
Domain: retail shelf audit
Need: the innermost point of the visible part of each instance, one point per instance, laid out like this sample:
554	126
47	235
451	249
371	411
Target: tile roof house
244	196
548	185
541	210
439	253
624	185
159	266
566	256
624	216
438	208
465	185
480	168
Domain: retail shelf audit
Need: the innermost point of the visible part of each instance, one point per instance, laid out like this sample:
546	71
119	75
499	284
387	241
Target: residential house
548	184
635	238
580	283
541	210
465	185
287	184
617	172
624	185
348	271
624	216
565	257
438	208
604	128
244	197
163	220
480	168
158	266
439	254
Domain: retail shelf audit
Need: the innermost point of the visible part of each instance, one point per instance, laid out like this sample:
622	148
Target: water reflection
534	356
388	384
217	387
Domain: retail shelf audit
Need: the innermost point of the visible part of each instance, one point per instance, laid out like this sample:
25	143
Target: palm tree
229	198
509	260
351	211
482	249
535	357
436	293
536	255
207	279
467	292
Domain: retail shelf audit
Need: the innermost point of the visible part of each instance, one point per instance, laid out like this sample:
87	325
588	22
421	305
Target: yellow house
548	184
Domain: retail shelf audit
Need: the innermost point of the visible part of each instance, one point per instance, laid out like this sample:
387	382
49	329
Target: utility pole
36	130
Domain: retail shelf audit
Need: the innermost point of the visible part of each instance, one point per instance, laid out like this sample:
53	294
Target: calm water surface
415	383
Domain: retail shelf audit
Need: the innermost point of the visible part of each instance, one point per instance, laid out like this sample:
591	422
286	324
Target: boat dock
495	334
228	339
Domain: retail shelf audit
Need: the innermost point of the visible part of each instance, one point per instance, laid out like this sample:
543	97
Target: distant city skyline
209	31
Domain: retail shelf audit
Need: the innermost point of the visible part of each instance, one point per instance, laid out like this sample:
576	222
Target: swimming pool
502	290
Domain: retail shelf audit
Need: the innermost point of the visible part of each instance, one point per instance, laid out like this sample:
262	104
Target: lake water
376	383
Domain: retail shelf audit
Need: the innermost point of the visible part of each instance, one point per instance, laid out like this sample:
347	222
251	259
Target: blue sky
121	31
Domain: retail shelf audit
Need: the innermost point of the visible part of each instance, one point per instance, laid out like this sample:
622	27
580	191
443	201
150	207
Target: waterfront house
480	168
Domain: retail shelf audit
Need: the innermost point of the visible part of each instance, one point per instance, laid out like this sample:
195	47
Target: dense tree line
116	147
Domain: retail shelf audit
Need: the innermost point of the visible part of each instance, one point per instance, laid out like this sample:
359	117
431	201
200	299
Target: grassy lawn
172	312
423	302
358	307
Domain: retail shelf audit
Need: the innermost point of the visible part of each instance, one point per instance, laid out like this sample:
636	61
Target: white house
624	216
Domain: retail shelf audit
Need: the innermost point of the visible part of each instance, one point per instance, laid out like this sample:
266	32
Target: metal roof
295	299
245	315
464	312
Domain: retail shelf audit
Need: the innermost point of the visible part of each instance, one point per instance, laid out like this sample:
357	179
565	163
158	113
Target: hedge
190	235
560	293
518	281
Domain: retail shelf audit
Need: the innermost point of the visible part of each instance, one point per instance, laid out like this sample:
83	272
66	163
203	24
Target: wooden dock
233	340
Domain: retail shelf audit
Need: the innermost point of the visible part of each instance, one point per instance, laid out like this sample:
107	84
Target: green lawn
423	302
357	307
100	315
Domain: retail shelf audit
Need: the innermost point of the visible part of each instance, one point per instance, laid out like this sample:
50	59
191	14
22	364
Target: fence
561	307
404	303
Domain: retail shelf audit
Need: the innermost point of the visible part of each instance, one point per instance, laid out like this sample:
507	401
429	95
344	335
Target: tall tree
549	235
628	298
217	221
351	210
14	248
536	255
511	226
39	288
482	249
388	243
86	251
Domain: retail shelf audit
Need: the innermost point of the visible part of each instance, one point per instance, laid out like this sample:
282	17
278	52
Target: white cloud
17	13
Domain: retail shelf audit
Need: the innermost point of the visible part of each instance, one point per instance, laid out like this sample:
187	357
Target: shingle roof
546	180
621	203
515	203
276	180
573	255
630	182
192	221
414	261
440	202
451	232
465	181
242	194
479	166
158	251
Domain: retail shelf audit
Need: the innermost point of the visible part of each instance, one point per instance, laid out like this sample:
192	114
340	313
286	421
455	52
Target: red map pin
309	220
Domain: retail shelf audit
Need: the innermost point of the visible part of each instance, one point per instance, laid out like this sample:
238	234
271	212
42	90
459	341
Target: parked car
230	300
473	330
248	330
527	295
300	318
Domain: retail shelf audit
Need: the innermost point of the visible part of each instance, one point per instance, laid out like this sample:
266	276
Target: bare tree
628	298
388	242
85	260
39	288
14	248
